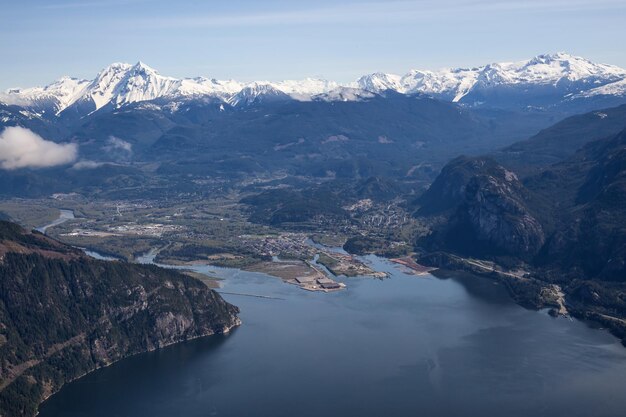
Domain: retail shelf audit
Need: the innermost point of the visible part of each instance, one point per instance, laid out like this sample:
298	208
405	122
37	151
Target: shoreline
532	294
224	332
492	275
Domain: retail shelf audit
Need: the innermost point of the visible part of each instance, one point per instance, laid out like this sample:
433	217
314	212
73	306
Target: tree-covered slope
63	314
561	140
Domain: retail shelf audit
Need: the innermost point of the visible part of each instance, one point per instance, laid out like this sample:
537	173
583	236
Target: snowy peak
549	68
345	94
563	72
544	79
257	93
201	86
378	82
141	68
448	84
121	84
103	88
305	89
50	99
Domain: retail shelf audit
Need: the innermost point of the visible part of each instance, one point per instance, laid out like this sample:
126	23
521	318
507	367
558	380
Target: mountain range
132	127
543	81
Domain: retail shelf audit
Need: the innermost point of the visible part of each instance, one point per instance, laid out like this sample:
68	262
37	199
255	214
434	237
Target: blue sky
273	40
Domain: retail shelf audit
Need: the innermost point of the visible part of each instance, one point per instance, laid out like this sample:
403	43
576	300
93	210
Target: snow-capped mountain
116	85
345	94
541	81
304	90
380	81
559	72
257	93
52	98
120	84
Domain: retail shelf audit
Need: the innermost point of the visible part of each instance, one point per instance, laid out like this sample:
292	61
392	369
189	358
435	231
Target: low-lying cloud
114	143
22	148
87	164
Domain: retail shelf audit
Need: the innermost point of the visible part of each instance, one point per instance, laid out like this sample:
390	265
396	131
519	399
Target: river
64	216
403	346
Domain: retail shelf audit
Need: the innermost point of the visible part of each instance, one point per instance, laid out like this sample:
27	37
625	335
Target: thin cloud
376	11
22	148
89	4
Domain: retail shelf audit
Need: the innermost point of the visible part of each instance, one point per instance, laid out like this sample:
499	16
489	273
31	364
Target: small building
330	286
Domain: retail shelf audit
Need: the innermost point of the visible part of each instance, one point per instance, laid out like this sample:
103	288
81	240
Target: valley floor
218	232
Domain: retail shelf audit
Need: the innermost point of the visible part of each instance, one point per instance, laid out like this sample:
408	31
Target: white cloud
114	143
87	164
22	148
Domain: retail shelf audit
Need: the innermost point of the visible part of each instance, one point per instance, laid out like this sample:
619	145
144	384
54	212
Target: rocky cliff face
569	216
486	207
63	314
495	210
448	190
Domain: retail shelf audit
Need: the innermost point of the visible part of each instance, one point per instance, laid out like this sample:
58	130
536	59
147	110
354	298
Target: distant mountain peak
380	81
561	72
345	94
556	56
542	80
258	92
141	68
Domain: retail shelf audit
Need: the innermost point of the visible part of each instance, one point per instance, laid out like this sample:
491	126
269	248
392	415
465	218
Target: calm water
405	346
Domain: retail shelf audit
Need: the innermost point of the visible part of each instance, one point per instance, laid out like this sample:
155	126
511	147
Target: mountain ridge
546	79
